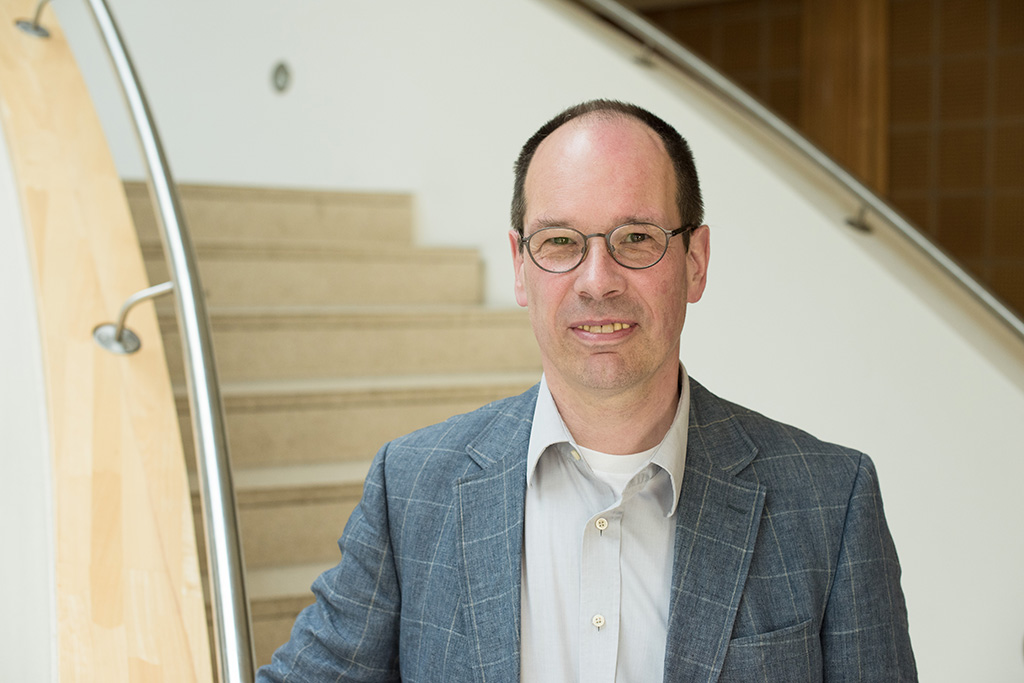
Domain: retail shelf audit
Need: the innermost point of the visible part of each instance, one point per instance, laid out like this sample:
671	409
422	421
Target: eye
560	241
636	237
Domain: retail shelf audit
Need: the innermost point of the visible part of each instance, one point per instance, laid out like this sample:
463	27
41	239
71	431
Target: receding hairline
688	195
598	116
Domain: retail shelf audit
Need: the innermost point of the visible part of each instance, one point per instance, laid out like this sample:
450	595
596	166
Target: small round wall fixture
281	77
32	28
106	336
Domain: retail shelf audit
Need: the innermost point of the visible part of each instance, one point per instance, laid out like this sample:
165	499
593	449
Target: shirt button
597	621
575	454
601	523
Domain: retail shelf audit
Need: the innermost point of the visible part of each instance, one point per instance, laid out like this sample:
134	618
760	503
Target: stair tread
299	475
284	249
425	311
268	583
260	193
222	213
382	383
282	483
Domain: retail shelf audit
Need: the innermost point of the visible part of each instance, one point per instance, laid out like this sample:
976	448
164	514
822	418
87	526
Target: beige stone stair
328	346
339	419
293	514
276	274
237	215
277	594
299	342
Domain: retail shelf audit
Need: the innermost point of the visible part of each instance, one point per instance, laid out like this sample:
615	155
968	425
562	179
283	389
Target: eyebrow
550	221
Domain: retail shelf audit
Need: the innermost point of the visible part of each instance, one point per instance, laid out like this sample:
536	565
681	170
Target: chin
609	376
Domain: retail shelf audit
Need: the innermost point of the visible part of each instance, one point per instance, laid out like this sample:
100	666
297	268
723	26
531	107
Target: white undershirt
615	470
597	561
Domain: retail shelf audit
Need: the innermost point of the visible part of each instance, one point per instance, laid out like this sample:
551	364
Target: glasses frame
524	242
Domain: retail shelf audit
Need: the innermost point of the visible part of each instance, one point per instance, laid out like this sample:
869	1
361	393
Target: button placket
600	596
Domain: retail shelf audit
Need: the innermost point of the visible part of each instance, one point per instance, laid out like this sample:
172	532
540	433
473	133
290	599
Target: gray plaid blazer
784	570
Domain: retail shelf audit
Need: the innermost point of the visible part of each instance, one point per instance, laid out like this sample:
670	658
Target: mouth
607	328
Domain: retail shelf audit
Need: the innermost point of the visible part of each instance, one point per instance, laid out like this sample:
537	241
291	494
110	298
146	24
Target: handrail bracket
117	338
858	222
34	28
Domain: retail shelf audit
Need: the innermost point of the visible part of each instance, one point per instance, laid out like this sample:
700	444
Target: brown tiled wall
956	130
755	42
956	133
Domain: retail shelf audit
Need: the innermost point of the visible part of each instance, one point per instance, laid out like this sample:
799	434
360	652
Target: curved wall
848	335
28	629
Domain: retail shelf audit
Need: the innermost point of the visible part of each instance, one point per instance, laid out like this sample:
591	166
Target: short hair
688	197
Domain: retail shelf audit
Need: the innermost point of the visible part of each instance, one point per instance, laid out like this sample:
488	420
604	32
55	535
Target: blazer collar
490	526
716	528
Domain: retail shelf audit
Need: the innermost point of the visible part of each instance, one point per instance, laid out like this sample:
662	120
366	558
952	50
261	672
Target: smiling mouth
604	329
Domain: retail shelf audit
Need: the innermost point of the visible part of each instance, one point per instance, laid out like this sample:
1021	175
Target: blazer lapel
490	521
716	527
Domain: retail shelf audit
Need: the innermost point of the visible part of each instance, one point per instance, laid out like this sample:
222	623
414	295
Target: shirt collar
549	428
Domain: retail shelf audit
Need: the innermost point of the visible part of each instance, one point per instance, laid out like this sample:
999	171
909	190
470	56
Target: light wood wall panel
129	594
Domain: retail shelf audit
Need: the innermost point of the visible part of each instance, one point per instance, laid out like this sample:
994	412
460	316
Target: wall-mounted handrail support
232	624
858	222
33	27
117	338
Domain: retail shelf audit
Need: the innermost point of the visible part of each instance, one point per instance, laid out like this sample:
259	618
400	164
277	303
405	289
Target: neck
620	422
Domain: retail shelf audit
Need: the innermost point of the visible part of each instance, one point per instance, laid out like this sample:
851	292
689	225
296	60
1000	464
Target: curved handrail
657	40
231	618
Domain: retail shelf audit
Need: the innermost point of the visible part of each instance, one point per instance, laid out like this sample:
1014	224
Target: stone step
312	342
343	419
237	215
293	514
273	274
276	595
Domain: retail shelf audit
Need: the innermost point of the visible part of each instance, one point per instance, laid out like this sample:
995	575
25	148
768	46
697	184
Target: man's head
604	328
688	197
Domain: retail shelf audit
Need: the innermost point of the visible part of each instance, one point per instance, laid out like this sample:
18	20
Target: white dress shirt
597	561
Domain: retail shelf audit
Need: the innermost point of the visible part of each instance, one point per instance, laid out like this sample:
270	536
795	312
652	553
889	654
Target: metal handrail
656	40
230	604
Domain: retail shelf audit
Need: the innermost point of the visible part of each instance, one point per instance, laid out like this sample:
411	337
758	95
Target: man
618	522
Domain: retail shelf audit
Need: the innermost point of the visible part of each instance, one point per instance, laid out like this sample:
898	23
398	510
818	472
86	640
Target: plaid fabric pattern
785	570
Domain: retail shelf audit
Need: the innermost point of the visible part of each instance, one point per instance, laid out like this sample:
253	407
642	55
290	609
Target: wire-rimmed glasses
632	245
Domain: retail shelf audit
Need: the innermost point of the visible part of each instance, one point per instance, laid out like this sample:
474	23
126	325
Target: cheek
671	301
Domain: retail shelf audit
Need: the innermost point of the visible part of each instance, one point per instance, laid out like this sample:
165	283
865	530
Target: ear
518	264
697	263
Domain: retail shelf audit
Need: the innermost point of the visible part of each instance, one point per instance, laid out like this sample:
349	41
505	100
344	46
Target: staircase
327	346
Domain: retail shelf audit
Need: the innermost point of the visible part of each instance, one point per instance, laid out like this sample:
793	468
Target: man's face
594	174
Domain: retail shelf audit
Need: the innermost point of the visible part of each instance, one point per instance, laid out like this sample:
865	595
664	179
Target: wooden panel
844	100
129	598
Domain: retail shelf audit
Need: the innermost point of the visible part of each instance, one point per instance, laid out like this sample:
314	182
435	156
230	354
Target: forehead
600	169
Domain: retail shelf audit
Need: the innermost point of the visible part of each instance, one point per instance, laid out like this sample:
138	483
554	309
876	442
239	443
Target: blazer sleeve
865	633
351	632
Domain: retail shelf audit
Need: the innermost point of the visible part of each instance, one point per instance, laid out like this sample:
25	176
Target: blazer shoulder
775	449
463	443
458	431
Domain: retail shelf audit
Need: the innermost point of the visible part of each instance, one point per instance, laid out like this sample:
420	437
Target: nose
599	276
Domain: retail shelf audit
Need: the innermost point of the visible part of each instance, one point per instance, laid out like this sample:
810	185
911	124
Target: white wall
844	334
27	590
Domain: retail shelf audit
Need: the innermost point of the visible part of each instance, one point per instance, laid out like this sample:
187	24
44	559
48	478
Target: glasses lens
638	245
557	249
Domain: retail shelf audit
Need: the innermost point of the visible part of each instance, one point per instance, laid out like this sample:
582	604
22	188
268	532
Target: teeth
604	329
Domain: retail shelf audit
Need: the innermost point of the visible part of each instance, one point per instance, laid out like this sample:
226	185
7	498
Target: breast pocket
789	655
